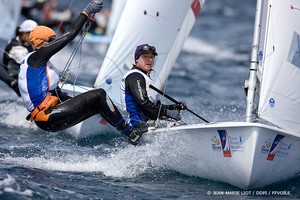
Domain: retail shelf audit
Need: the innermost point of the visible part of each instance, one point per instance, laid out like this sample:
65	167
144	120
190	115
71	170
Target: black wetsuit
10	68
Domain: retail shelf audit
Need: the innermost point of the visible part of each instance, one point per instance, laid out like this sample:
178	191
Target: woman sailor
136	96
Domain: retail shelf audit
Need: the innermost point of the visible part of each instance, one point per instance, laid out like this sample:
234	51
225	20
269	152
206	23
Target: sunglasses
147	48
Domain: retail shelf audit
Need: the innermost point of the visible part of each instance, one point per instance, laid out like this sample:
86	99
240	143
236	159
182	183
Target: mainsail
279	64
164	24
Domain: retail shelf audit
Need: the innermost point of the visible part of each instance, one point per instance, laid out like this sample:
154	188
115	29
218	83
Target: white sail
279	65
10	10
178	44
114	17
156	23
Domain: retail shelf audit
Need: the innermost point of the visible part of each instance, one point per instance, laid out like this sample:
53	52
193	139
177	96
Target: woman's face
145	62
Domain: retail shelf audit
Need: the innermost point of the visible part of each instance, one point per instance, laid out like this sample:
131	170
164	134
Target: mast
254	62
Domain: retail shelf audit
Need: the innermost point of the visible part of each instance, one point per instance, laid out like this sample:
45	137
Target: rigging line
68	64
72	56
2	49
78	69
78	44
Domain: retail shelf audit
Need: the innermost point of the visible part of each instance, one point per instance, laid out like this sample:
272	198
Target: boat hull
246	155
91	127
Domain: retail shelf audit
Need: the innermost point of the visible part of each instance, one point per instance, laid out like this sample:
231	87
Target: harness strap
38	114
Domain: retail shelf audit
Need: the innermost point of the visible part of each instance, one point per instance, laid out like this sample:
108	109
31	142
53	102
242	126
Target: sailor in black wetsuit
14	53
137	98
51	109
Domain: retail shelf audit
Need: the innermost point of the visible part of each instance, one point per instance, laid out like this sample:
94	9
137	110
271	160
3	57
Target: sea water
208	76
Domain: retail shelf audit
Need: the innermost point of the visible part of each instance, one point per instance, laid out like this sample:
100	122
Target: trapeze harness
140	107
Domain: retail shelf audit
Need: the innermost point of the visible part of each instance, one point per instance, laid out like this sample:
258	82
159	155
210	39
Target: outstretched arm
42	55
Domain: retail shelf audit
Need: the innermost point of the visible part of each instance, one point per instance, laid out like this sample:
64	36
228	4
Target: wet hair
17	31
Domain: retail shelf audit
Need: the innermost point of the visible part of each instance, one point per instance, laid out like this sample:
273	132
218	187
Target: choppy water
208	76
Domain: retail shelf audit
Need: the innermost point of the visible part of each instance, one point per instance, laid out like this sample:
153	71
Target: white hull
254	157
197	150
91	127
247	163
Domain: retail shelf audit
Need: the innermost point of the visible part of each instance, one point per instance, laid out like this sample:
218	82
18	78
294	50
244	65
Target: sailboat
263	149
259	151
142	21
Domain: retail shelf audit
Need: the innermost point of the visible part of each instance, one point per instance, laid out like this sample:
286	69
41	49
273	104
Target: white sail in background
114	17
279	64
156	23
10	10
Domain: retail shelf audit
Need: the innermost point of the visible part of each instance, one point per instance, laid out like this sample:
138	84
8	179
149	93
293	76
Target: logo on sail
225	143
275	146
260	55
272	102
293	7
108	80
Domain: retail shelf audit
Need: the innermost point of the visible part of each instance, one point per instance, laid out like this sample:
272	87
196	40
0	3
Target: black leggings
81	107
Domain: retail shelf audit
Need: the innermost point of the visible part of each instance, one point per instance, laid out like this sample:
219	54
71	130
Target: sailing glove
177	106
94	7
174	114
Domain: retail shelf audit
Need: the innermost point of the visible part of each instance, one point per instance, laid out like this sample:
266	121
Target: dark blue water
208	76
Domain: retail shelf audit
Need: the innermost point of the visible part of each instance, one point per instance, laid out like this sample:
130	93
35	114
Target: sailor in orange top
51	109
